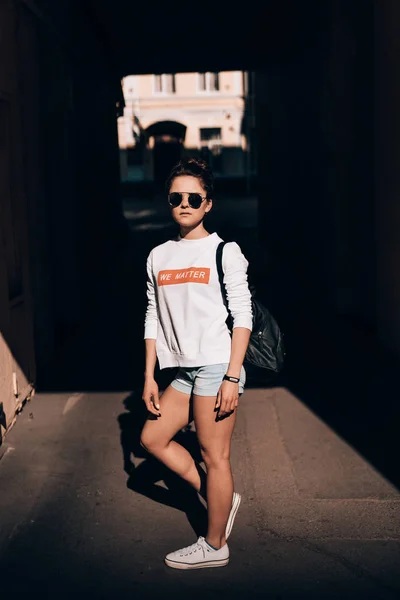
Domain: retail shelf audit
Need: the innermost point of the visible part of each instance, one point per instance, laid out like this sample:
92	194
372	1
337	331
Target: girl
185	327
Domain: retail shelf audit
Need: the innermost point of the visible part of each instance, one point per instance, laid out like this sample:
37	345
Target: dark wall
287	96
68	96
314	121
387	173
348	174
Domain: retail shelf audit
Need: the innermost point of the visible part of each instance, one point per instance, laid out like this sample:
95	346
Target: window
214	82
158	83
208	82
164	83
211	147
202	82
210	134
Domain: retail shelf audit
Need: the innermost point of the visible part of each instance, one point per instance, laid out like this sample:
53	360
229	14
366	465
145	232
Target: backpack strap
220	270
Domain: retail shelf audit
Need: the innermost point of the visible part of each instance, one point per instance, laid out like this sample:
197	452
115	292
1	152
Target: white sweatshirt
185	312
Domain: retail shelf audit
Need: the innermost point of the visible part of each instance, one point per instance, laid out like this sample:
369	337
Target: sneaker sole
235	507
202	565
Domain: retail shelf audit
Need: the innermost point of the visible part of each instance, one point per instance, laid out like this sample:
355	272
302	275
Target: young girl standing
185	327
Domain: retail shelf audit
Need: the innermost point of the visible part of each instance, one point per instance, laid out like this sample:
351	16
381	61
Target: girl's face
187	213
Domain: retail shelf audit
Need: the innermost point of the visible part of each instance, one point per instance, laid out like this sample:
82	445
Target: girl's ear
209	206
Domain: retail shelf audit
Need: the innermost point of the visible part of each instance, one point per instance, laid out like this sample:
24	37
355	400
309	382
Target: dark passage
84	510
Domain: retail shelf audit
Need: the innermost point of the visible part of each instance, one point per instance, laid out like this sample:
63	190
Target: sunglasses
194	199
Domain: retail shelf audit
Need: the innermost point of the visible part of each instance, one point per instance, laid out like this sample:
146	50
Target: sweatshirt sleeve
151	317
237	290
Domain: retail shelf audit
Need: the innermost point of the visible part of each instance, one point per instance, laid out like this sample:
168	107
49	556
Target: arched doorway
165	140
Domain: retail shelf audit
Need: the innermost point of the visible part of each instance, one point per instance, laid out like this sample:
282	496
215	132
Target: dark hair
193	167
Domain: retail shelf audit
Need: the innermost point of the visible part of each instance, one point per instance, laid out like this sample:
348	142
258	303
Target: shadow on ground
149	477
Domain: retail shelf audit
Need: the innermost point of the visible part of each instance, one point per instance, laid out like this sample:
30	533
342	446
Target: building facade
170	114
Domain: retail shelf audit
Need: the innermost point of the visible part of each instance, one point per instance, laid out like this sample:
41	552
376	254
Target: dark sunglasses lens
175	199
195	200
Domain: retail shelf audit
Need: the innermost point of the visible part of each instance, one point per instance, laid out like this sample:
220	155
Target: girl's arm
240	341
151	317
150	390
239	303
239	299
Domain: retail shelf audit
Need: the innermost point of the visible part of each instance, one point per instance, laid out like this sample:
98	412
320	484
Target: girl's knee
152	443
144	443
213	459
149	443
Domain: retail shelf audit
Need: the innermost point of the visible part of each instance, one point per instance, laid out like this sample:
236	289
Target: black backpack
266	350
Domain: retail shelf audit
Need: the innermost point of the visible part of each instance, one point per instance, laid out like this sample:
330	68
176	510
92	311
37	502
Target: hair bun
193	167
196	162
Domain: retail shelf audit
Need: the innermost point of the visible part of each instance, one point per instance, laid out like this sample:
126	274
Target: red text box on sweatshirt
190	275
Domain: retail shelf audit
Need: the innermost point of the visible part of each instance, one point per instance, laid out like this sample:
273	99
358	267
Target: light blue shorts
204	381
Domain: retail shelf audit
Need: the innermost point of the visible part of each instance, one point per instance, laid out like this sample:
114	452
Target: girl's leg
157	436
215	442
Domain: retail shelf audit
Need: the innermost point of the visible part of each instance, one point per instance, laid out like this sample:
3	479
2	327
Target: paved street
316	520
84	512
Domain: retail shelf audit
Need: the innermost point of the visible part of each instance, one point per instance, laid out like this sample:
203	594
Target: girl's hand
227	398
150	397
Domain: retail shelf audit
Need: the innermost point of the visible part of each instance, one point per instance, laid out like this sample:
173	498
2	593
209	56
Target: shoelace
193	548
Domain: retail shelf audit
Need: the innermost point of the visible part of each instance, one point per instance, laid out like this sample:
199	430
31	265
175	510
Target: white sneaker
198	556
234	508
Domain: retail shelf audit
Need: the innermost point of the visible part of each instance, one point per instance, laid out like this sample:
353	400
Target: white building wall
190	106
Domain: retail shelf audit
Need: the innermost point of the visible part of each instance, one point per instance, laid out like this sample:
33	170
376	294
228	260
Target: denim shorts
204	381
